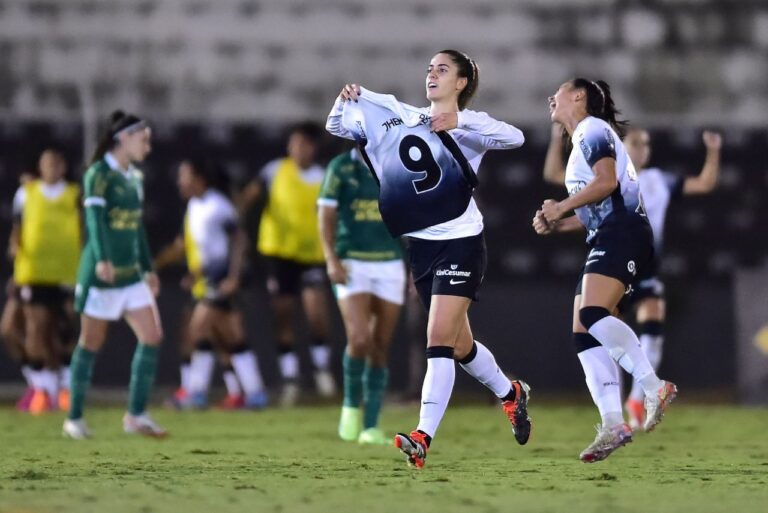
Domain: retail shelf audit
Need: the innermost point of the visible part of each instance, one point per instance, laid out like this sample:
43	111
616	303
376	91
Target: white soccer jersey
210	219
658	189
593	140
389	130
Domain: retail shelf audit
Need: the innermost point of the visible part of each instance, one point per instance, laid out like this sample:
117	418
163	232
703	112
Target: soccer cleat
517	411
350	423
142	425
289	395
655	406
231	402
40	403
372	436
324	383
414	446
636	413
24	401
606	441
75	429
64	399
256	401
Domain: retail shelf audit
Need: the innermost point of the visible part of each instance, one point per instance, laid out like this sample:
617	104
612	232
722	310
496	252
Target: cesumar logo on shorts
631	267
453	272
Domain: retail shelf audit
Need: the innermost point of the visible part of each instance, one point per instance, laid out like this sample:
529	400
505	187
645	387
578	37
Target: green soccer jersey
113	201
360	232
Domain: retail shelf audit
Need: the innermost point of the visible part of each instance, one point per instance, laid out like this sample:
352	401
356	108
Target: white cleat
656	405
142	425
606	441
75	429
325	384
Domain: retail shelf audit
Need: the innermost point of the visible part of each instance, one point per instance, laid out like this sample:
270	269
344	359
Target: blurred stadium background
229	76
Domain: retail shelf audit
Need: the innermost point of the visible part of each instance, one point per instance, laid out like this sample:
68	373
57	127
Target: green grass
701	459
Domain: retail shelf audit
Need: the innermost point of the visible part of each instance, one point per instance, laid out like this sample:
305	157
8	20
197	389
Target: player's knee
589	315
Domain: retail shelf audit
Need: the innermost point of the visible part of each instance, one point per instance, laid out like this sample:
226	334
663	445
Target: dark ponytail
467	69
117	122
600	103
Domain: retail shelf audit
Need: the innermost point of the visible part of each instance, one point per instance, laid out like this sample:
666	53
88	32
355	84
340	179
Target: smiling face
443	82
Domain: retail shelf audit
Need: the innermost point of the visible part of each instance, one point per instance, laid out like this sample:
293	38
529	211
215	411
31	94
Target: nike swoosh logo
453	282
428	402
592	261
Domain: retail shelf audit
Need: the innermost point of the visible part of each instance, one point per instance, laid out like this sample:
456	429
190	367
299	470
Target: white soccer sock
624	347
321	356
231	382
652	346
602	377
289	365
64	377
200	371
50	383
435	393
247	370
484	368
185	371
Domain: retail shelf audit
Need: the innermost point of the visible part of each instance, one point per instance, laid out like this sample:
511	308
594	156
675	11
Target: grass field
701	459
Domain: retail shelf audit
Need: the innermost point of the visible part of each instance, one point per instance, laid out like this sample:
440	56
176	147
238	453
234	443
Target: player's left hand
551	211
153	282
540	225
229	286
445	121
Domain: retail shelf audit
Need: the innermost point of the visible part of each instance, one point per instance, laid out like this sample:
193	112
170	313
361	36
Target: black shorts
622	250
290	277
648	285
54	296
224	303
453	267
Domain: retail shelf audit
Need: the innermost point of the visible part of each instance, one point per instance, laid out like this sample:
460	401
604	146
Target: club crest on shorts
454	267
631	267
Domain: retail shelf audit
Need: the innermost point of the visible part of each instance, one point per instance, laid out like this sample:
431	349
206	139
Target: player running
426	160
365	265
605	195
115	279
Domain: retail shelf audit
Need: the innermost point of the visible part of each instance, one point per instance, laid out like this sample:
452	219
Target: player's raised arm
494	134
706	180
333	124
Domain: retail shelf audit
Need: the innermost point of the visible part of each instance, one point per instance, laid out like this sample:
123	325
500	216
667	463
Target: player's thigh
356	313
651	309
201	322
601	290
39	319
93	332
145	323
446	316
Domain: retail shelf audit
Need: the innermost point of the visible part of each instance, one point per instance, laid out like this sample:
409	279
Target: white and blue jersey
658	188
426	178
593	140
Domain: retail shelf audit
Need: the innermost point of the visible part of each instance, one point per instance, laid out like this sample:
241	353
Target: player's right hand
350	92
336	272
540	224
557	131
105	271
712	140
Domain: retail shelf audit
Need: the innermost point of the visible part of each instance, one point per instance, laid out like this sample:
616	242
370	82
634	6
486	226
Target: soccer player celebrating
46	245
215	248
365	265
426	160
604	192
658	189
289	239
115	279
